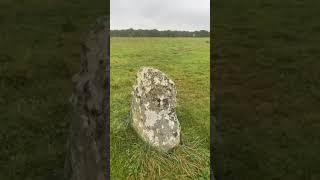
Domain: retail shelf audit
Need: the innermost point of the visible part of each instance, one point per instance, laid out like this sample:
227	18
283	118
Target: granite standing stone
153	109
87	148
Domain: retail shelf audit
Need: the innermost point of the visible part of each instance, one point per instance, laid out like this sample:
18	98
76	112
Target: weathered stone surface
87	148
153	109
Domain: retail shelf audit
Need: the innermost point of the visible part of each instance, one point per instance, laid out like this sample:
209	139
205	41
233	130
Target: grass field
266	66
186	61
39	53
267	81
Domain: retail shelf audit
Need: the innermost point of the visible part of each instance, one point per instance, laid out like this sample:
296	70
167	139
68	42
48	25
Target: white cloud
187	15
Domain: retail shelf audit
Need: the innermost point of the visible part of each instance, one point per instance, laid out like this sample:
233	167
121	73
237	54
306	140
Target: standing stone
87	143
153	109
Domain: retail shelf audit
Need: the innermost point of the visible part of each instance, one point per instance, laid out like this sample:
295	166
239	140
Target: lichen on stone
86	153
153	109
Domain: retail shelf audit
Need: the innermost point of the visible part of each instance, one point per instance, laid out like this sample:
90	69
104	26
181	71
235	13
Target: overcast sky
186	15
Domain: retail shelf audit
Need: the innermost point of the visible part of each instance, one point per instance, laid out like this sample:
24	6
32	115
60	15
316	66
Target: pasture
186	61
39	53
267	88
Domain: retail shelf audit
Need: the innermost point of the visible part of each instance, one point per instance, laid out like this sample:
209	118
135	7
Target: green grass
267	88
39	53
186	61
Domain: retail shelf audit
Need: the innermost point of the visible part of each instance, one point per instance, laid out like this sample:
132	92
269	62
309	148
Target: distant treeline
157	33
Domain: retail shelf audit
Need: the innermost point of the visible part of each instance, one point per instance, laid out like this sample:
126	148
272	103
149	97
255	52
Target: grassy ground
267	81
39	53
186	61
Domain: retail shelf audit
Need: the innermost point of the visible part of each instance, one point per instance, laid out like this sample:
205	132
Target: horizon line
159	30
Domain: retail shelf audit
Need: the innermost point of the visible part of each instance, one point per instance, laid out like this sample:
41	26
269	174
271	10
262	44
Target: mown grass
267	88
186	61
39	53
